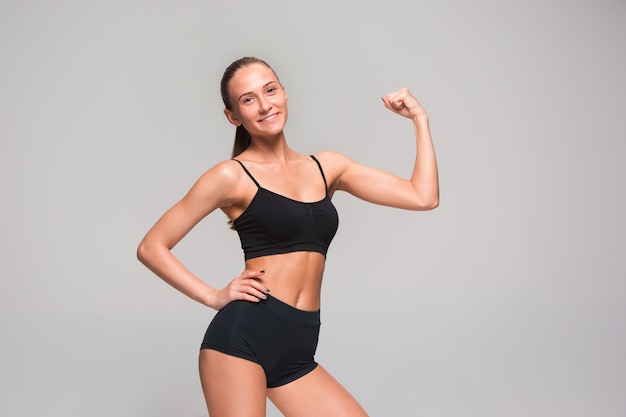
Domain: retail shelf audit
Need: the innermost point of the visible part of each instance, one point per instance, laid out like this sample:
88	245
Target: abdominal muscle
294	278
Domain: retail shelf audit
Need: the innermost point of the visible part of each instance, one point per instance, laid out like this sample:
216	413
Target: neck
269	149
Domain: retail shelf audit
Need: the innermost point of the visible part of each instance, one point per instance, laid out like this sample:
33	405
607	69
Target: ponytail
242	141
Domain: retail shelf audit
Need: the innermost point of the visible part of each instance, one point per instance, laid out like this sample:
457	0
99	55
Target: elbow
426	204
434	202
424	198
431	205
150	251
143	253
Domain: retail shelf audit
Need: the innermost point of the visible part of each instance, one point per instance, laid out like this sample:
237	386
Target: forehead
251	77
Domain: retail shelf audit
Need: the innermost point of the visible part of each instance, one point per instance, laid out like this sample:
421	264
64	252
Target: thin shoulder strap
322	171
247	172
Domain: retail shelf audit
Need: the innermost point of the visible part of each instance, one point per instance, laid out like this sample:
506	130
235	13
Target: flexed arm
425	174
421	191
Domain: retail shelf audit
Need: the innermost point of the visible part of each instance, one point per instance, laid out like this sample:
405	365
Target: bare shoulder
225	173
333	159
219	184
334	164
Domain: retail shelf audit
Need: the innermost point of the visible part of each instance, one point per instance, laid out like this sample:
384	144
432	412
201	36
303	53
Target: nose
264	105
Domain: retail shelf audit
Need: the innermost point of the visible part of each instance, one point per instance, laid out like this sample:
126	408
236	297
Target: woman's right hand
247	286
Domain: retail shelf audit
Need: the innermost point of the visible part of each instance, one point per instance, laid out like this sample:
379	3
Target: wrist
419	117
210	298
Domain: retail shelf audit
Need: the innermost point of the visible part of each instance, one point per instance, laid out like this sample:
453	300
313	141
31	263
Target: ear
232	118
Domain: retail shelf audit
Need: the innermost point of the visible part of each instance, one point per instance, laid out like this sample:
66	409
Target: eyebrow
250	92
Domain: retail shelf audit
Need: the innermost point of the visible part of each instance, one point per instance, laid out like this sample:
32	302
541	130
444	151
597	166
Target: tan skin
235	386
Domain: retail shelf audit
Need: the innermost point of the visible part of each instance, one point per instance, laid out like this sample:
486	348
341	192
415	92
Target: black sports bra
273	224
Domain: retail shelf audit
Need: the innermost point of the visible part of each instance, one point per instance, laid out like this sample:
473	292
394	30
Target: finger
389	104
396	100
255	282
252	274
246	292
258	294
252	286
251	294
249	297
249	282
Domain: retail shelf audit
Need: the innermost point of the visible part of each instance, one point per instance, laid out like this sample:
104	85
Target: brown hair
242	136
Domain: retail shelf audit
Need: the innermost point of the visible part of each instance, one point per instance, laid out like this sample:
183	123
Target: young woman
261	345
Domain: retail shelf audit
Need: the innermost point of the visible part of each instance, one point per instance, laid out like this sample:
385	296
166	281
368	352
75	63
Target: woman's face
258	101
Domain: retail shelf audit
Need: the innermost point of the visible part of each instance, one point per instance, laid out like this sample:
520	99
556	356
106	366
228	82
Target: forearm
424	178
164	264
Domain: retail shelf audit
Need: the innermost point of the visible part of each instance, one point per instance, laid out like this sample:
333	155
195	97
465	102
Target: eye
271	90
246	100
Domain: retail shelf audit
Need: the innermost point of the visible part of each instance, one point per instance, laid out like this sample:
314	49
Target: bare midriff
294	278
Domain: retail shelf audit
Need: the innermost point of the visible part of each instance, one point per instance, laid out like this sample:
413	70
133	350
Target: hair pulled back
242	136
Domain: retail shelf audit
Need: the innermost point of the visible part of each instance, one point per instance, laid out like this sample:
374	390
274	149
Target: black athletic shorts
279	337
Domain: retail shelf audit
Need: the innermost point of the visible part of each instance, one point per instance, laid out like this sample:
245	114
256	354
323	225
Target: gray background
508	300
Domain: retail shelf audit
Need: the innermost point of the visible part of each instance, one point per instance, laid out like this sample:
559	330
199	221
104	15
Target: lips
269	118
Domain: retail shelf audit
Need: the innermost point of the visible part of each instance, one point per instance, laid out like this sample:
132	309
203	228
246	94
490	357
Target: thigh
317	394
232	386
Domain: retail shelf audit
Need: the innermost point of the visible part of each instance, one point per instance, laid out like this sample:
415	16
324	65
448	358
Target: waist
295	278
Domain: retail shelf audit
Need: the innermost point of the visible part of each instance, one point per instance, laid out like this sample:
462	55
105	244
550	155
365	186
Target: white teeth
268	118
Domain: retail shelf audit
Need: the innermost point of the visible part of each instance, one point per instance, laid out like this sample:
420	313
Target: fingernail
267	290
262	271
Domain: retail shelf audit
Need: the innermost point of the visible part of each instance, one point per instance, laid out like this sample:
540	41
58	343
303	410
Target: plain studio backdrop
508	300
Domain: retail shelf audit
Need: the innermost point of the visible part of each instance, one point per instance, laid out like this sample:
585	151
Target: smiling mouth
269	118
